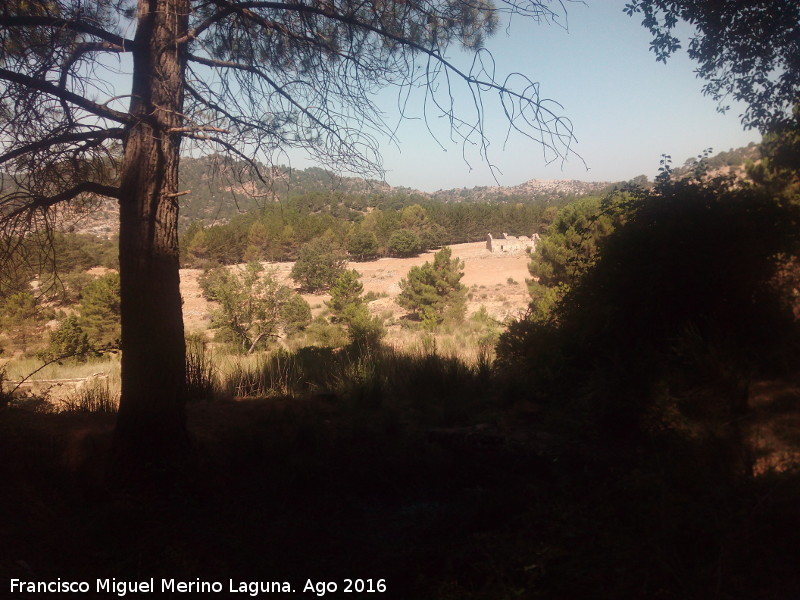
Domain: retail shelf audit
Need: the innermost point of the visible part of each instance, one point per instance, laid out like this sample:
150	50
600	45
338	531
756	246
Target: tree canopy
321	261
747	50
253	307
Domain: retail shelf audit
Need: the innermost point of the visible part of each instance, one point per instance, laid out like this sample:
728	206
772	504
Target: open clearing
495	280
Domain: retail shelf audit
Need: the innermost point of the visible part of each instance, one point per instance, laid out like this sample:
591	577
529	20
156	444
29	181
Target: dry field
495	280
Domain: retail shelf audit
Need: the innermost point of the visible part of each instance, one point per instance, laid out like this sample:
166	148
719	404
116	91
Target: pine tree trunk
151	426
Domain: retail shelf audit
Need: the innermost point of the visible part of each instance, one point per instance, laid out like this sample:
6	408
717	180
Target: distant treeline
53	259
365	225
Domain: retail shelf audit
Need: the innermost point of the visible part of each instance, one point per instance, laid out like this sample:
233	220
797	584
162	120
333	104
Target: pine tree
434	292
100	310
348	307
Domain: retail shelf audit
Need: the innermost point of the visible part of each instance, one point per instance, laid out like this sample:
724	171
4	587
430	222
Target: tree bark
151	432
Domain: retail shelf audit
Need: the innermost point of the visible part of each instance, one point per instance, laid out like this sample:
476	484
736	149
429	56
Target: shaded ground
774	424
325	489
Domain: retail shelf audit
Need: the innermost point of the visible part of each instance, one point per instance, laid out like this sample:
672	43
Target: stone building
510	243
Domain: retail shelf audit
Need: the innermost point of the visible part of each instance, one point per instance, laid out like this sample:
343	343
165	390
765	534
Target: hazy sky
626	109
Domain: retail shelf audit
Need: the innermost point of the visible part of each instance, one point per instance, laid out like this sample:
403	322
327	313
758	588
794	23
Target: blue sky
626	108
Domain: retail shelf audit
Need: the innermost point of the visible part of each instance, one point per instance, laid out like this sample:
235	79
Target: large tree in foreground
99	98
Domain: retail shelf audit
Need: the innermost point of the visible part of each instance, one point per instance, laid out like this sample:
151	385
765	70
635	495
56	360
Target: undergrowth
99	397
407	466
418	381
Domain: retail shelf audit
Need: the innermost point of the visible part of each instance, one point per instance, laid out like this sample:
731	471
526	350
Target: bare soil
495	280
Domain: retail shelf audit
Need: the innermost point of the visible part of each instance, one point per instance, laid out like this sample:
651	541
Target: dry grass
21	367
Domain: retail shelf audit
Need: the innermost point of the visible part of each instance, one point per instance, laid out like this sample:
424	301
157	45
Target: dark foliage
682	294
746	50
692	254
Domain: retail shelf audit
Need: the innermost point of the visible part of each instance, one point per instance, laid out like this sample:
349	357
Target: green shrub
404	243
347	290
363	245
100	311
295	315
320	262
69	340
253	307
349	308
74	283
433	292
322	333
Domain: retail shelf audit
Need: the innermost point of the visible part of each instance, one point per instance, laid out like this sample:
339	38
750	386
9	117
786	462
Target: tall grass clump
202	380
99	397
268	376
431	385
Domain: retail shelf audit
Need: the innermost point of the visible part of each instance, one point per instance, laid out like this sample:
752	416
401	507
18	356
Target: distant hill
222	188
535	188
726	162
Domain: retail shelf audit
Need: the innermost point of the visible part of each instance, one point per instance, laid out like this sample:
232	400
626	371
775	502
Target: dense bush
349	307
22	317
363	245
692	254
254	309
100	310
681	295
69	340
320	262
405	243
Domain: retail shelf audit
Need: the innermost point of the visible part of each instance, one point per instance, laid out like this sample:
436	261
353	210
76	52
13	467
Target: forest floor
321	490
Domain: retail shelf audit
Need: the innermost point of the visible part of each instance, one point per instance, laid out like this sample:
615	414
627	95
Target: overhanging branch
210	62
62	94
32	21
44	202
542	115
67	138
